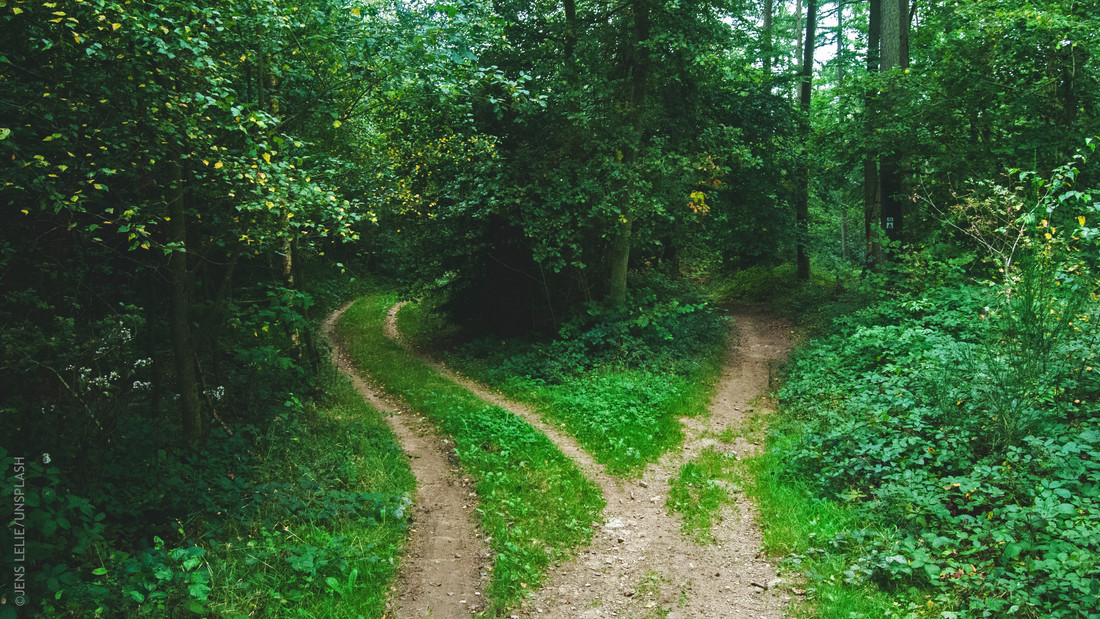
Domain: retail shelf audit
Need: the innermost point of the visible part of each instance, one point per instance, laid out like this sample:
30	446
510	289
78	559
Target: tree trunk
872	203
620	243
839	43
802	202
895	26
620	260
570	29
768	43
891	34
183	347
799	50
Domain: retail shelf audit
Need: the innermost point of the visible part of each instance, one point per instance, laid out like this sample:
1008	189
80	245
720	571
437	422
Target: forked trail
441	572
639	563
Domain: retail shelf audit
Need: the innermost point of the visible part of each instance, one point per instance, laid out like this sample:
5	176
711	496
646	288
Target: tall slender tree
894	55
872	197
802	201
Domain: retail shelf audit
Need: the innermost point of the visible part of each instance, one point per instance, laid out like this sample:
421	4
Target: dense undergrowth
534	504
294	506
939	449
619	380
290	520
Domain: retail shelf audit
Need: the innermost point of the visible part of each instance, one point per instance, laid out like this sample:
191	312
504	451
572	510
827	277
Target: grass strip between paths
700	490
534	503
627	418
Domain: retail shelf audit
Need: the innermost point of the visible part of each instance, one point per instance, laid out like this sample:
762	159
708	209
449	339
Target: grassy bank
302	516
331	520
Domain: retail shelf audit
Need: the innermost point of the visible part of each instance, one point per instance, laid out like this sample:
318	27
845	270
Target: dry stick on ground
441	571
639	562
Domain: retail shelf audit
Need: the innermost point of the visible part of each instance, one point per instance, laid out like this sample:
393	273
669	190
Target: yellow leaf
356	11
336	124
1081	221
217	165
267	157
26	212
16	10
115	26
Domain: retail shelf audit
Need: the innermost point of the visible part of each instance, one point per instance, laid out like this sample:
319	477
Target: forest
566	215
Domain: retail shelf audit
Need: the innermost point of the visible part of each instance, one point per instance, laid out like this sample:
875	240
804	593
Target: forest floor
640	563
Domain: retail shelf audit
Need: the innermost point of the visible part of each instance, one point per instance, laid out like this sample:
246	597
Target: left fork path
440	573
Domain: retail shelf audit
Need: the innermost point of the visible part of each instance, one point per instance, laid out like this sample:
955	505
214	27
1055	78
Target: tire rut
441	572
639	563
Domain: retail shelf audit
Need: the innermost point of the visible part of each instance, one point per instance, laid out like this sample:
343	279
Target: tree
802	212
894	56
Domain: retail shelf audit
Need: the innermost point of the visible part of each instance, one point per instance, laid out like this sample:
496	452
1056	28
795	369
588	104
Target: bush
963	423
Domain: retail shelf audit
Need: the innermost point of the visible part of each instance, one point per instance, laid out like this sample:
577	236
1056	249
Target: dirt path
441	574
639	564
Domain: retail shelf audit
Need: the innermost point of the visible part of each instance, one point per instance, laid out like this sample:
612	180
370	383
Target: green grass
533	502
626	417
803	530
311	552
700	490
777	286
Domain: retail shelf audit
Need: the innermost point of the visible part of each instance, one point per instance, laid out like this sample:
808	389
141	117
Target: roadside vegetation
619	380
938	451
534	504
303	516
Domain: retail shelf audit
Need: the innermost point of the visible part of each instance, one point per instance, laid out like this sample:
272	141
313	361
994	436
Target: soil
442	573
639	563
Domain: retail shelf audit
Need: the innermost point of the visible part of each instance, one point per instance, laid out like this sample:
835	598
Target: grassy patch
777	286
332	520
810	535
534	504
619	381
700	490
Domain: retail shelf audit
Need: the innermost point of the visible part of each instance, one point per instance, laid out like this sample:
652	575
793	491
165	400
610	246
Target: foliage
519	195
534	505
962	421
241	539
